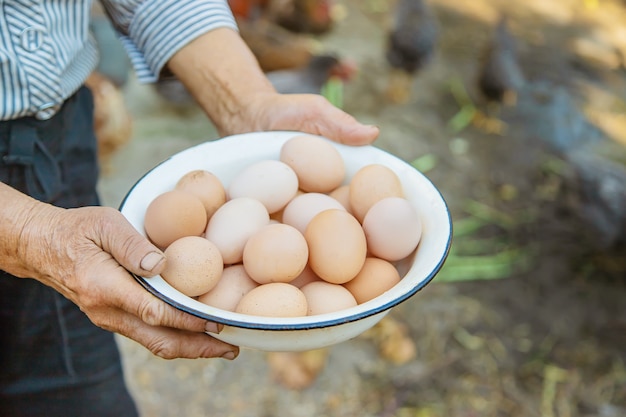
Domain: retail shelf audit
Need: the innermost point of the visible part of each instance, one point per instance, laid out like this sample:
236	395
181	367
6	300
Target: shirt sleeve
153	30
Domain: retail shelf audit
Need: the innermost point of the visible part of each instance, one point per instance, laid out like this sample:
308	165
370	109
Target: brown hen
279	31
275	47
299	16
112	121
302	16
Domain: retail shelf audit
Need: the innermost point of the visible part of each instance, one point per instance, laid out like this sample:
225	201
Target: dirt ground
530	317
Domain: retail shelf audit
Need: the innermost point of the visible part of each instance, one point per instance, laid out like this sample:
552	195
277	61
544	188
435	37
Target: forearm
17	214
224	77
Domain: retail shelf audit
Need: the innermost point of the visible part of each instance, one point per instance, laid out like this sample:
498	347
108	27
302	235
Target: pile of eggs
287	237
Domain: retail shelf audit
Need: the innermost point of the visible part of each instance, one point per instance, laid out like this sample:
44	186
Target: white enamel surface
297	340
225	158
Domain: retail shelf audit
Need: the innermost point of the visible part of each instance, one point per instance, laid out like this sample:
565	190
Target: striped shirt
47	52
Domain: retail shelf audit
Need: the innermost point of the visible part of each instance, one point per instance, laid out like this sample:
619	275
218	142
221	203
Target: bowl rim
289	324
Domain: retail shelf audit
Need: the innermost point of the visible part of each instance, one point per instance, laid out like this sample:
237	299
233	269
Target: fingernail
230	355
212	327
151	261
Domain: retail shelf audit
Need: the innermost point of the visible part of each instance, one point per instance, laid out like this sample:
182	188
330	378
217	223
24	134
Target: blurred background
516	110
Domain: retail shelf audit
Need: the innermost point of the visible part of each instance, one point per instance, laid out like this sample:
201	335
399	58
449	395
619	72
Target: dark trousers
53	360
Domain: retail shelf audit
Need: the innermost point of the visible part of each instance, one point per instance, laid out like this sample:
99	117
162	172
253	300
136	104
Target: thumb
342	127
314	114
130	249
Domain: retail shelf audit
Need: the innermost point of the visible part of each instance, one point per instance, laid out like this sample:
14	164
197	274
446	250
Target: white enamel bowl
226	157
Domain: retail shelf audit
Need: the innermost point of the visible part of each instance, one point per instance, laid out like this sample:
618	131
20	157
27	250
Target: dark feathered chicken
410	45
500	75
546	116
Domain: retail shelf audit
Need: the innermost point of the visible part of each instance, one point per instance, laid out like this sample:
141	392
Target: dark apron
53	360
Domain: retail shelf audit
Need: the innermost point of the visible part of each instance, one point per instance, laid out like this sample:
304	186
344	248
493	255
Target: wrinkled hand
87	259
224	77
309	113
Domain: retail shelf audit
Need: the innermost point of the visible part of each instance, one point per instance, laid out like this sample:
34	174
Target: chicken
307	80
601	183
311	79
546	116
500	75
410	45
245	9
302	16
112	121
299	16
278	32
274	47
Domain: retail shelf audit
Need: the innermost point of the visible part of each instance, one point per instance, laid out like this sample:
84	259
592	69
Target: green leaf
484	267
425	162
462	119
333	91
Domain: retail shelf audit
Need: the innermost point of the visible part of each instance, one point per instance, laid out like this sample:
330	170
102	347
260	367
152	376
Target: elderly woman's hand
86	255
309	113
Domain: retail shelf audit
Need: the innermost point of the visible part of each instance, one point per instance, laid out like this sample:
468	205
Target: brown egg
370	184
275	253
342	194
172	215
307	275
276	299
277	216
323	297
393	228
193	265
376	277
318	164
230	289
206	186
337	245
